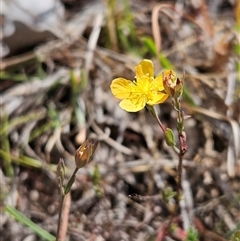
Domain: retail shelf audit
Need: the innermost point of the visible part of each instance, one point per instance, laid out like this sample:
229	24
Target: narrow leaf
43	234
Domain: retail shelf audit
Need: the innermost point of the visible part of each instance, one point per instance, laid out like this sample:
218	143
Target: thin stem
179	187
182	146
179	178
160	124
180	128
182	150
63	195
153	111
60	217
155	115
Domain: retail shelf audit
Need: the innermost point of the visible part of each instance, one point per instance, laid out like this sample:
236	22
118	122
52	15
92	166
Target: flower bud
169	137
85	153
178	89
172	85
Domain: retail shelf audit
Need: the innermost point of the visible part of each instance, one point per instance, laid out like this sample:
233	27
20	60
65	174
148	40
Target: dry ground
46	116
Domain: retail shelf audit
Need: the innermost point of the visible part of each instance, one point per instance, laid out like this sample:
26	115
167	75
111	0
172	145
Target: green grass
41	233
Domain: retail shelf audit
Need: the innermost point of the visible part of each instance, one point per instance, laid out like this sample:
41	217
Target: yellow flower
144	90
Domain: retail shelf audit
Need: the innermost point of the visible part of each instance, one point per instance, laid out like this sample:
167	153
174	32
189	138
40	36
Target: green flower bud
169	137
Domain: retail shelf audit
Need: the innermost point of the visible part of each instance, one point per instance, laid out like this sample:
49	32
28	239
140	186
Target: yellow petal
144	67
157	98
133	104
157	84
122	88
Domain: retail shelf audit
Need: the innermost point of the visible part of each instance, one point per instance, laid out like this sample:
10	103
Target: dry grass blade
77	25
104	137
13	61
35	86
235	131
155	25
156	29
97	23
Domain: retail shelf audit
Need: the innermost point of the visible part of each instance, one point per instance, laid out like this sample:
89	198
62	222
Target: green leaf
96	178
192	235
168	194
8	126
43	234
165	62
26	161
188	97
238	71
150	45
236	236
78	80
237	27
237	49
5	145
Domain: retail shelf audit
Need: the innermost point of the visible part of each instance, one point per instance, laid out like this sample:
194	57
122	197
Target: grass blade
43	234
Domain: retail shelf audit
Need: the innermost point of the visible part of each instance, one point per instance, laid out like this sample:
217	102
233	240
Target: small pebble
34	195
